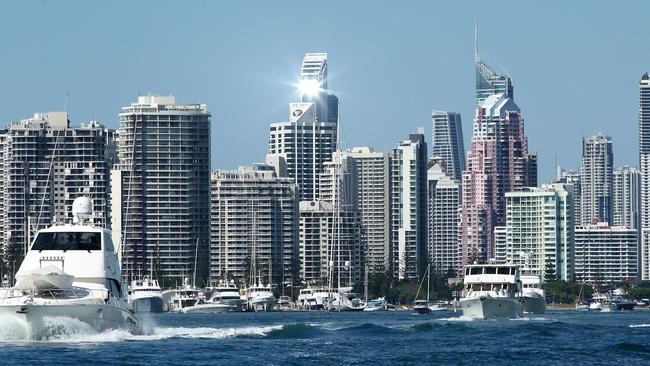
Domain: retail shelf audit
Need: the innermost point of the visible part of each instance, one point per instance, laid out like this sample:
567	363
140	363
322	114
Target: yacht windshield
67	241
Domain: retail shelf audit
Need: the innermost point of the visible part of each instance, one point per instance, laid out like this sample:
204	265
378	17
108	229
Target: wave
631	347
297	330
422	327
639	325
368	328
71	330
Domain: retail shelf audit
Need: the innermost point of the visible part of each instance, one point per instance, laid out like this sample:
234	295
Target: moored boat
145	296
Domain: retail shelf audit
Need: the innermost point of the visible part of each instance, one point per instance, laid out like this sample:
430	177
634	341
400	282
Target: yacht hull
491	307
261	304
41	320
533	305
153	304
210	308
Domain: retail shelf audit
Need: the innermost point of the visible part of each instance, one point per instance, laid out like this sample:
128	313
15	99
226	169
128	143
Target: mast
428	280
196	252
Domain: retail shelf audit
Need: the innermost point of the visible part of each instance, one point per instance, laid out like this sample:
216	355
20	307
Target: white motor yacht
532	294
227	293
70	271
205	306
378	304
145	296
181	297
489	291
260	297
316	298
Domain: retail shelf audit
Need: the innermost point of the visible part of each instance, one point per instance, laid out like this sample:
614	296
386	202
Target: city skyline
244	95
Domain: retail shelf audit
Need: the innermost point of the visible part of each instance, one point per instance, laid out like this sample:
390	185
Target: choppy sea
397	338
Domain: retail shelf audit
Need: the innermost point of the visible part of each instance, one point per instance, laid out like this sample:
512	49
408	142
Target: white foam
70	330
525	319
462	318
639	325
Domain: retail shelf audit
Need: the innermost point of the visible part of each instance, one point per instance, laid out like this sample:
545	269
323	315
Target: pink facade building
498	163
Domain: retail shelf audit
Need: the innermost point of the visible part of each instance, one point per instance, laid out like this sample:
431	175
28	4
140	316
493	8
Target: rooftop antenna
477	59
65	103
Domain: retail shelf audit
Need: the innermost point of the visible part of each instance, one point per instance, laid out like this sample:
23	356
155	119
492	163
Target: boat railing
57	295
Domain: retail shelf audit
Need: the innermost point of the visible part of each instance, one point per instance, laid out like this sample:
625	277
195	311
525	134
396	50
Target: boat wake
70	330
461	318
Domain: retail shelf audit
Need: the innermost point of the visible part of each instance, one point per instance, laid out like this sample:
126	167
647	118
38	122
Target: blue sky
575	65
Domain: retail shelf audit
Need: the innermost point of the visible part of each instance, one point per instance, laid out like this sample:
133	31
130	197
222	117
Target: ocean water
398	338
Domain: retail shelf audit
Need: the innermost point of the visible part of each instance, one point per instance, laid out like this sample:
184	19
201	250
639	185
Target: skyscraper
408	196
306	145
372	171
310	137
498	163
447	142
443	200
254	217
644	167
46	165
626	198
161	189
313	85
338	182
644	148
540	220
596	180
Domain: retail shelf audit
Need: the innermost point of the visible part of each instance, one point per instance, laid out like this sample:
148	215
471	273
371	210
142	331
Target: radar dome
82	209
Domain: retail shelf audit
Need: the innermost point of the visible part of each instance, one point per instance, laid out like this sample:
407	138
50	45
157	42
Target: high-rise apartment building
644	148
373	198
408	207
644	168
596	180
46	164
306	145
339	182
447	142
540	220
626	198
498	163
606	254
443	201
571	177
254	218
329	245
161	189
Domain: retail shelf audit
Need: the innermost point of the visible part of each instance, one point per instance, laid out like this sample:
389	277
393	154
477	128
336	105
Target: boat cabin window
503	270
490	270
67	241
475	270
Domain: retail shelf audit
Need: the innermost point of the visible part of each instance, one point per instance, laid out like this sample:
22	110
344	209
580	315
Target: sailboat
579	305
422	306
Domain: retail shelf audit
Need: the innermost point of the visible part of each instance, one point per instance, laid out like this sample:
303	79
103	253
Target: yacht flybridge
70	271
